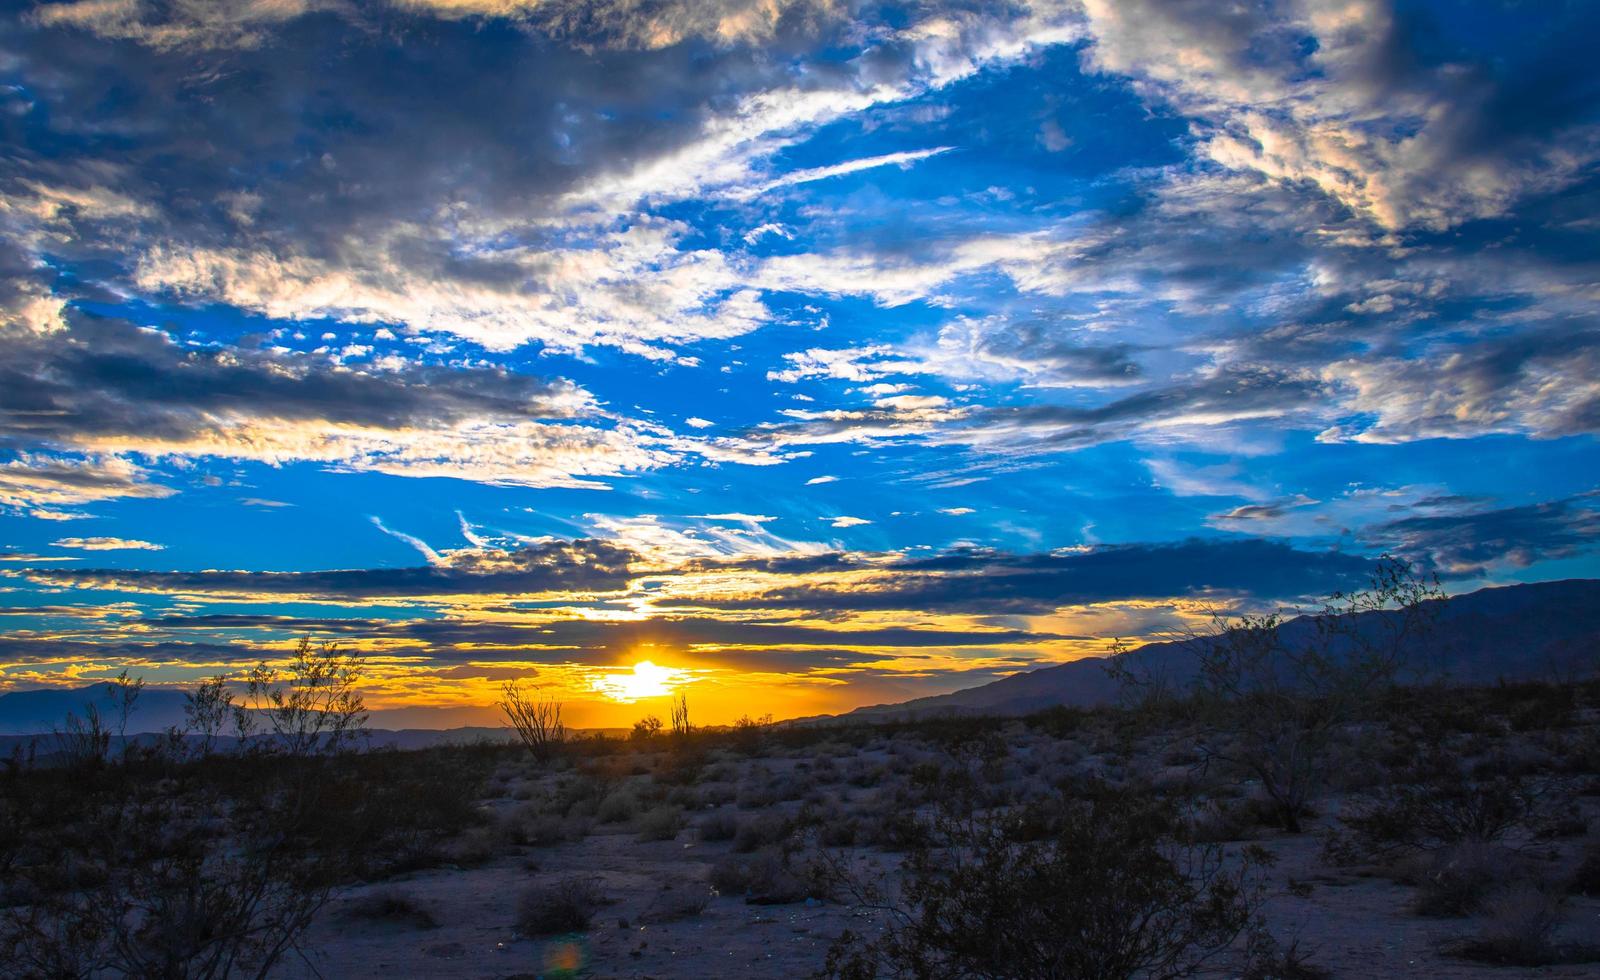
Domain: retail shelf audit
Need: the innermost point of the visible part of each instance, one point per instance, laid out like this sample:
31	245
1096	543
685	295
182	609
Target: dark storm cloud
1468	545
563	566
995	582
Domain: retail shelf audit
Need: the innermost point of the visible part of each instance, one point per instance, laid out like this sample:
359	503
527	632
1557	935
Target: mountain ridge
1483	635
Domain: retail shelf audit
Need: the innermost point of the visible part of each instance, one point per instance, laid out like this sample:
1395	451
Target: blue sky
826	353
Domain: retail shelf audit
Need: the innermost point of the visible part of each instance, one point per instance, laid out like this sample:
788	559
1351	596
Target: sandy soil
1355	922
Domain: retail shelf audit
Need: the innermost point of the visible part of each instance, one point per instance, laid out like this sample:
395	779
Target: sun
647	680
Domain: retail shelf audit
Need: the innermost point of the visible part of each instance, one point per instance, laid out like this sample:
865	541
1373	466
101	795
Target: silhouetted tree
646	728
207	710
312	704
681	726
1272	695
535	718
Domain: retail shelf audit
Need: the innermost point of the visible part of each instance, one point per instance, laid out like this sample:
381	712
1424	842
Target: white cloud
1320	93
41	482
107	544
667	541
903	160
631	288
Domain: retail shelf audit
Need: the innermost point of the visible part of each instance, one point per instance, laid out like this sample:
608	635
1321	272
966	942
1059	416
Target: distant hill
45	710
32	712
33	717
1543	630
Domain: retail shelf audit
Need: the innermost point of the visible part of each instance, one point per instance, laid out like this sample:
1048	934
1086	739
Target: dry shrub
1455	880
566	905
545	829
1434	803
1108	892
759	831
673	903
762	878
718	825
1220	821
1585	878
617	807
391	905
1517	929
1269	961
661	823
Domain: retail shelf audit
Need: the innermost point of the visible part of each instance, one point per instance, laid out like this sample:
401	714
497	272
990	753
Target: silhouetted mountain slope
1544	630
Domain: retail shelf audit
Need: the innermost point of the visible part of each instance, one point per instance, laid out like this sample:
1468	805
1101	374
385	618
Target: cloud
1259	512
106	387
578	566
846	521
737	518
978	581
34	482
495	195
1336	95
901	159
997	348
1471	544
1207	399
264	502
631	288
107	544
247	23
1542	382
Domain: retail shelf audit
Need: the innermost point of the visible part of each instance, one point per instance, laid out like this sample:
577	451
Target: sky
817	353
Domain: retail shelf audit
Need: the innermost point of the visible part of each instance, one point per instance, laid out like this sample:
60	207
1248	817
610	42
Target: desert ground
696	864
1454	834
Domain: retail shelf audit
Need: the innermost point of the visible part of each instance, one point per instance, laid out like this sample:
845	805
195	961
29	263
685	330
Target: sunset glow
646	680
